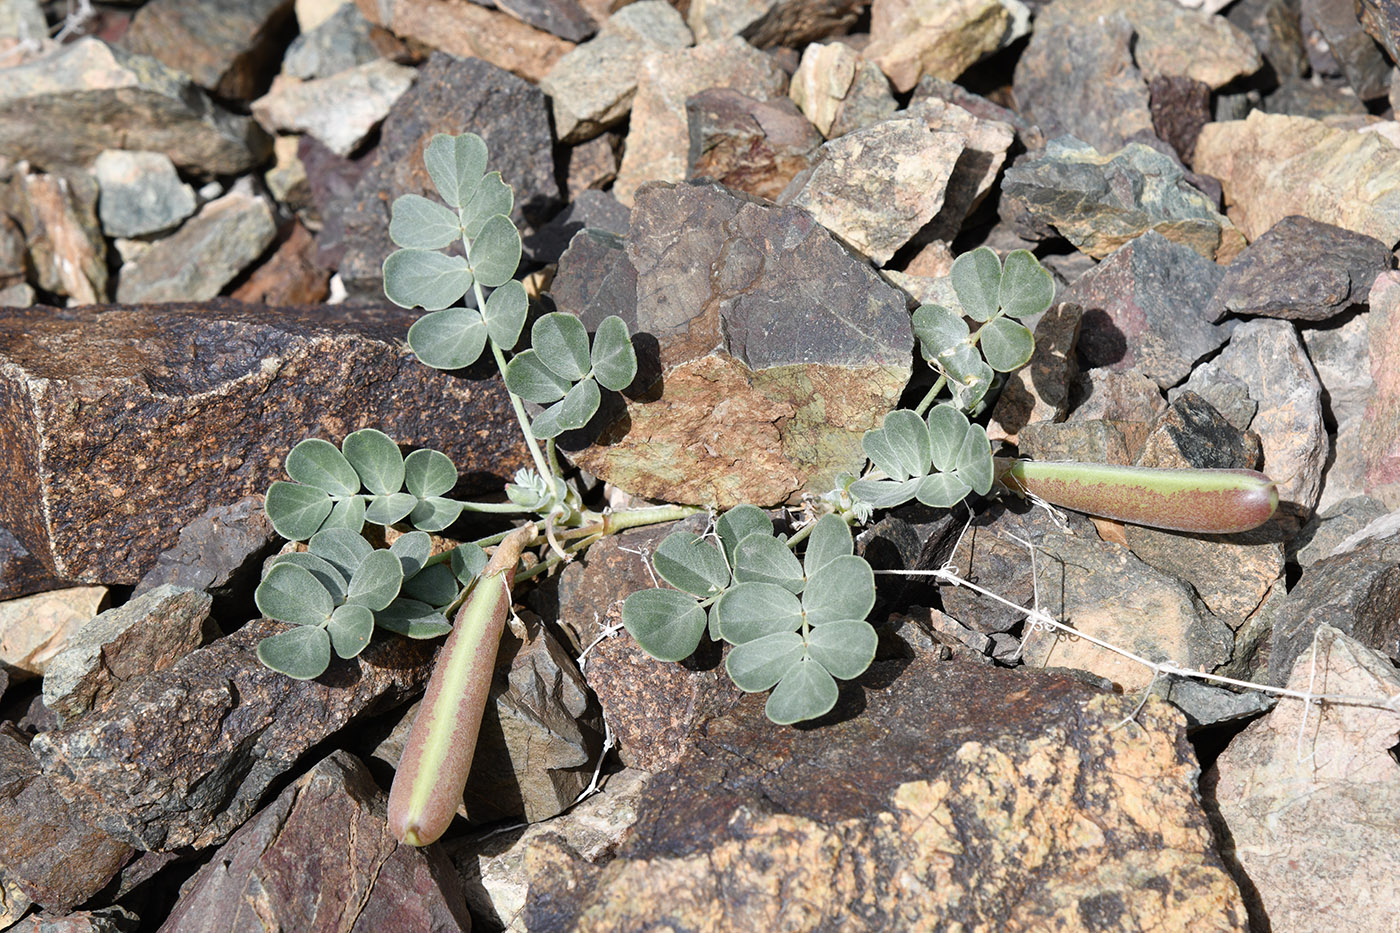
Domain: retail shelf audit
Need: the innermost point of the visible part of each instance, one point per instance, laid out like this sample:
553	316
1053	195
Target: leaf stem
922	408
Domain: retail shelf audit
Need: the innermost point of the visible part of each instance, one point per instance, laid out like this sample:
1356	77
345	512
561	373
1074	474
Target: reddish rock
1380	439
749	145
291	276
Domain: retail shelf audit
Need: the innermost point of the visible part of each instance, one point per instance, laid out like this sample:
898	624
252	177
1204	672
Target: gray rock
591	87
1299	97
748	145
566	19
1144	309
340	110
1301	270
931	88
21	572
592	210
342	41
1226	393
1356	592
838	91
1329	528
1100	202
1361	61
19	295
1127	397
451	95
327	832
851	186
14	253
226	46
218	552
66	108
148	417
140	193
1208	705
204	255
22	19
182	757
148	633
1085	440
777	349
1273	26
768	23
1267	356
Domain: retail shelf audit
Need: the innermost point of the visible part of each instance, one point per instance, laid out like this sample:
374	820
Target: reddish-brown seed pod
1202	501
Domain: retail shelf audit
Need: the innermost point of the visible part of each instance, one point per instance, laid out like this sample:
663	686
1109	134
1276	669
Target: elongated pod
1205	501
433	771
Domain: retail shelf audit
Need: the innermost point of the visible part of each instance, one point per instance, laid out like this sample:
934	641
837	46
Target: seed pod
1203	501
433	770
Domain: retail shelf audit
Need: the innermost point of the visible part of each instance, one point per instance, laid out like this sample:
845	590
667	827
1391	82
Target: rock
931	88
1301	270
1272	165
147	417
875	188
140	193
164	780
58	214
291	276
1356	592
451	96
1362	63
150	633
592	210
540	736
1274	27
985	144
340	110
1267	356
327	832
339	42
776	349
1128	400
1040	390
658	138
943	629
913	38
22	20
591	165
1379	432
1172	40
204	255
34	628
1303	860
768	23
1077	77
21	572
748	145
591	88
468	31
225	47
839	91
1099	202
1381	527
1207	705
1230	573
492	863
1299	97
220	552
114	919
1145	309
1329	528
66	108
48	854
14	253
752	810
1180	107
1092	441
1381	20
566	19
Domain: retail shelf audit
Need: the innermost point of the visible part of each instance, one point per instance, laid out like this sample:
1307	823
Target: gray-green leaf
529	377
434	513
885	493
433	585
386	510
946	429
293	594
975	465
1006	344
759	664
449	339
830	538
376	459
301	653
562	343
429	472
323	570
350	629
496	252
614	359
425	279
413	550
413	619
690	563
571	412
343	548
753	610
493	196
900	446
668	625
738	523
845	648
468	561
938	328
455	164
296	511
762	558
942	490
842	589
505	312
805	692
417	223
376	581
976	278
1026	285
319	463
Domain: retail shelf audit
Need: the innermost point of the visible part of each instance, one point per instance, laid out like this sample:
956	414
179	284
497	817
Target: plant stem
503	508
923	405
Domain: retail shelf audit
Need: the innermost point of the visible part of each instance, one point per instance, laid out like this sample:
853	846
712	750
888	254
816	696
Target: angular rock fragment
1145	309
1128	399
877	187
750	810
65	108
1329	528
1275	29
768	23
1172	40
931	88
658	137
1379	431
1305	793
566	19
148	633
748	145
339	42
1180	107
1099	202
225	47
339	110
1040	390
985	144
1381	19
195	262
1355	52
182	757
913	38
34	628
471	31
455	96
591	88
1273	165
217	551
320	856
592	210
140	193
1301	270
776	349
292	275
147	417
839	91
58	214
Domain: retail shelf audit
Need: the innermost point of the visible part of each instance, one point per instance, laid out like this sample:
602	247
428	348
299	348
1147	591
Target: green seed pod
1203	501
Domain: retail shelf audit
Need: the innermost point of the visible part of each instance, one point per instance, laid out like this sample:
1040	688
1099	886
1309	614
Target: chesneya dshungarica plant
432	772
1201	501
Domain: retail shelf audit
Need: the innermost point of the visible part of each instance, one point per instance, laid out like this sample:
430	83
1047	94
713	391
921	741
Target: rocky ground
193	215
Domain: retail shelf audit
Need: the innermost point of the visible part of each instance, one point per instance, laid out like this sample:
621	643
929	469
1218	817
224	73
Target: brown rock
748	145
321	857
839	91
1085	440
985	144
182	757
1276	31
1380	428
148	416
913	38
769	23
228	48
1040	390
1272	165
1381	20
895	817
1130	401
291	276
1355	52
58	214
1180	107
35	628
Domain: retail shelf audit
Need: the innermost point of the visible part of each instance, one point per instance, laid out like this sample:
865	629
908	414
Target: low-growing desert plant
795	625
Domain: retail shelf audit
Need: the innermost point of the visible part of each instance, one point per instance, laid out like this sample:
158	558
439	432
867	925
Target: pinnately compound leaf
668	625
